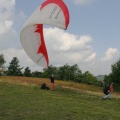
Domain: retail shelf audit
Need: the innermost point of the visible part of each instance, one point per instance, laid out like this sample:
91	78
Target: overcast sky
92	40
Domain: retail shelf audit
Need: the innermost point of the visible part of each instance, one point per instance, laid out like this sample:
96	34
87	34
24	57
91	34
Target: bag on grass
43	86
106	89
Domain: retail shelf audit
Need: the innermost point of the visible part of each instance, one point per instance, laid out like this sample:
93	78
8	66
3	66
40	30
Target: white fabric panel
47	16
30	41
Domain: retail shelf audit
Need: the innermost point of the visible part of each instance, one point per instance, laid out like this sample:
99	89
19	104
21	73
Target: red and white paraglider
51	12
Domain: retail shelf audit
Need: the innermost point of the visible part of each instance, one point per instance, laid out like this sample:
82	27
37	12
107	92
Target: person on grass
52	82
108	90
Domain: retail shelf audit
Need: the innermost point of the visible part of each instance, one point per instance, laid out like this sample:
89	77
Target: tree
2	62
37	74
89	78
75	73
70	73
27	72
48	71
63	72
14	68
66	72
114	76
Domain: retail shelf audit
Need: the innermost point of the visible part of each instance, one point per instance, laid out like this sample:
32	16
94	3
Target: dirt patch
114	95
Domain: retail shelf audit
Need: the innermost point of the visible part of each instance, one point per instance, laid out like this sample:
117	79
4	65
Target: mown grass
22	101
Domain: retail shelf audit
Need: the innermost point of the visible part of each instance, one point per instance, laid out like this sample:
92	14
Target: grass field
22	99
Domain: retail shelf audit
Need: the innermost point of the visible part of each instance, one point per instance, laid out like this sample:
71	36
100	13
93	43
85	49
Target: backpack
43	86
106	89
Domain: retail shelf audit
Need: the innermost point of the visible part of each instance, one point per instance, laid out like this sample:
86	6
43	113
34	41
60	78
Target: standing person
107	90
52	82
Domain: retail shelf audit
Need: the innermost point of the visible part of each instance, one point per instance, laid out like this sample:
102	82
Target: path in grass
114	95
64	84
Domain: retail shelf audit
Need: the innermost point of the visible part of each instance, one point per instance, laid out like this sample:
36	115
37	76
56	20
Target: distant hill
100	77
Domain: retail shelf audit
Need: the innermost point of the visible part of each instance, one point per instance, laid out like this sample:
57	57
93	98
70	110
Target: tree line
114	76
65	72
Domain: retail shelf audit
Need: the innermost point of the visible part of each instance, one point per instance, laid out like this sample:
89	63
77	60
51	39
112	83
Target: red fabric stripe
62	5
42	47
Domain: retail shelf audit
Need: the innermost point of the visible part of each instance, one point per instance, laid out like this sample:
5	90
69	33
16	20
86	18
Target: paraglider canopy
51	12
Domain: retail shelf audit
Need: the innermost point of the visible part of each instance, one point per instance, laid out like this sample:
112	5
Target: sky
92	39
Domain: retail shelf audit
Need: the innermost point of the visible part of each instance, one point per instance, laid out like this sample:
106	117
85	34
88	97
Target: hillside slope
22	99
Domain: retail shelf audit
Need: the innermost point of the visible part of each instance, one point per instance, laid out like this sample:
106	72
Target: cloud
6	15
91	58
7	8
24	61
83	2
62	48
110	54
8	19
8	35
5	26
66	48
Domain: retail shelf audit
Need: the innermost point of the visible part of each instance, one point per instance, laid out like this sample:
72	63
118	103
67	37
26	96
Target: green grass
29	102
